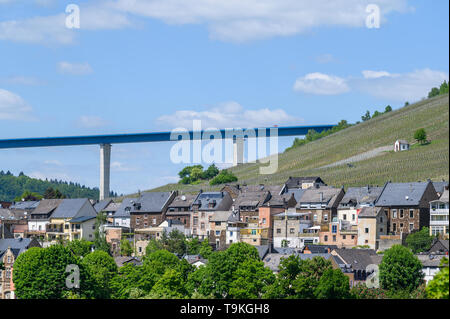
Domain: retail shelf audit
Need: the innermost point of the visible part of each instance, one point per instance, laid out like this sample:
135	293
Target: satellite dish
183	197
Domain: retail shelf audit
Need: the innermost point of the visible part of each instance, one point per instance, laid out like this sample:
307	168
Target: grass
419	163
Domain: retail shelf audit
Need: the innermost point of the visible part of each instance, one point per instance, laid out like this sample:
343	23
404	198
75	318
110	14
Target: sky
145	66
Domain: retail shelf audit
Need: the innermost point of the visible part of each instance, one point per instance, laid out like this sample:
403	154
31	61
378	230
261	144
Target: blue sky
142	66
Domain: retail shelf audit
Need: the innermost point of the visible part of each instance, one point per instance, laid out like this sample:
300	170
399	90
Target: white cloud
74	68
411	86
374	74
120	167
321	84
89	121
13	107
53	162
22	80
52	175
229	115
228	20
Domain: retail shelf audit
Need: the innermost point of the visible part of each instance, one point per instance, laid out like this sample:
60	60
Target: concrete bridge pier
238	151
105	167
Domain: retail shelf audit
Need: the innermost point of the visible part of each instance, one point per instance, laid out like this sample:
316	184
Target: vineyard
419	163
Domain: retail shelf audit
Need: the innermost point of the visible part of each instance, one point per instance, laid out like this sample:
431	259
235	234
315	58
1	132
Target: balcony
439	211
439	223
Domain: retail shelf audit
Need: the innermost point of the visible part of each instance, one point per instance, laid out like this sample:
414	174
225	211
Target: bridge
105	142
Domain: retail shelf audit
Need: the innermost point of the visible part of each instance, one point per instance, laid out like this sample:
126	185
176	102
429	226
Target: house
74	218
310	235
196	260
180	209
113	236
121	217
100	205
440	187
322	202
340	233
234	226
401	145
203	208
371	226
10	249
303	183
407	205
355	199
218	228
4	204
357	264
273	260
439	246
110	211
287	228
16	220
439	210
149	210
25	207
431	265
249	200
40	217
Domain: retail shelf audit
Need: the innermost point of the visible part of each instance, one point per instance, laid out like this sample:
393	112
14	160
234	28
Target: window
353	236
291	230
195	221
253	231
401	213
154	221
344	216
231	233
411	226
202	226
334	237
315	217
394	213
411	213
394	227
401	225
353	217
366	230
140	249
381	219
325	217
334	229
278	230
344	237
325	238
381	230
366	241
217	232
264	221
217	223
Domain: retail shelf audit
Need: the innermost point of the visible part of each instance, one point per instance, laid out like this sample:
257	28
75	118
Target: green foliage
40	273
125	247
194	174
434	92
420	135
333	284
400	270
438	287
388	109
224	176
443	89
170	286
366	116
419	241
102	268
28	196
79	248
51	193
361	291
13	187
100	242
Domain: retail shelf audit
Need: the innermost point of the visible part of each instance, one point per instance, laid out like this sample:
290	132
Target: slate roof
273	260
279	200
221	216
402	194
151	202
178	201
46	206
122	260
101	205
312	196
439	246
319	249
440	186
125	207
4	232
112	207
428	260
359	259
18	246
6	214
369	212
251	197
71	207
262	251
296	182
361	195
25	205
218	198
81	219
444	196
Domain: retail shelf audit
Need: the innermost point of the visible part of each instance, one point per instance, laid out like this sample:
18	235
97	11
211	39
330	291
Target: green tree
388	109
223	177
205	249
438	287
211	172
400	270
333	284
102	268
80	247
40	273
125	247
170	286
100	242
443	89
376	113
419	241
193	246
28	196
434	92
366	116
420	135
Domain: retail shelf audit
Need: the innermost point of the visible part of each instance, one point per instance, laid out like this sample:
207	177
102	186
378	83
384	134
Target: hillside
319	157
12	186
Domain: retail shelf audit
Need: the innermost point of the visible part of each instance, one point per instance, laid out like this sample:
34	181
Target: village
303	217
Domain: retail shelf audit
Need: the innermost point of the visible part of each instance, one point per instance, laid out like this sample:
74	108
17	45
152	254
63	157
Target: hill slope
419	163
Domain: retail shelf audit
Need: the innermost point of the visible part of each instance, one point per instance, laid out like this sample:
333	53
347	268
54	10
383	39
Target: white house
401	145
439	211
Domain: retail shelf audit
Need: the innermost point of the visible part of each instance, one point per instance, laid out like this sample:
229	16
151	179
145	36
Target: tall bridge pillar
105	166
238	151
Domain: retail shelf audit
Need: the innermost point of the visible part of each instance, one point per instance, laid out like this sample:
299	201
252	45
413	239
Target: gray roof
312	195
369	212
46	206
71	208
262	251
439	246
112	207
296	182
18	245
251	197
183	201
359	259
429	260
25	205
101	205
4	232
440	186
81	219
361	195
217	198
402	194
151	202
6	214
444	196
122	260
125	207
221	216
273	260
